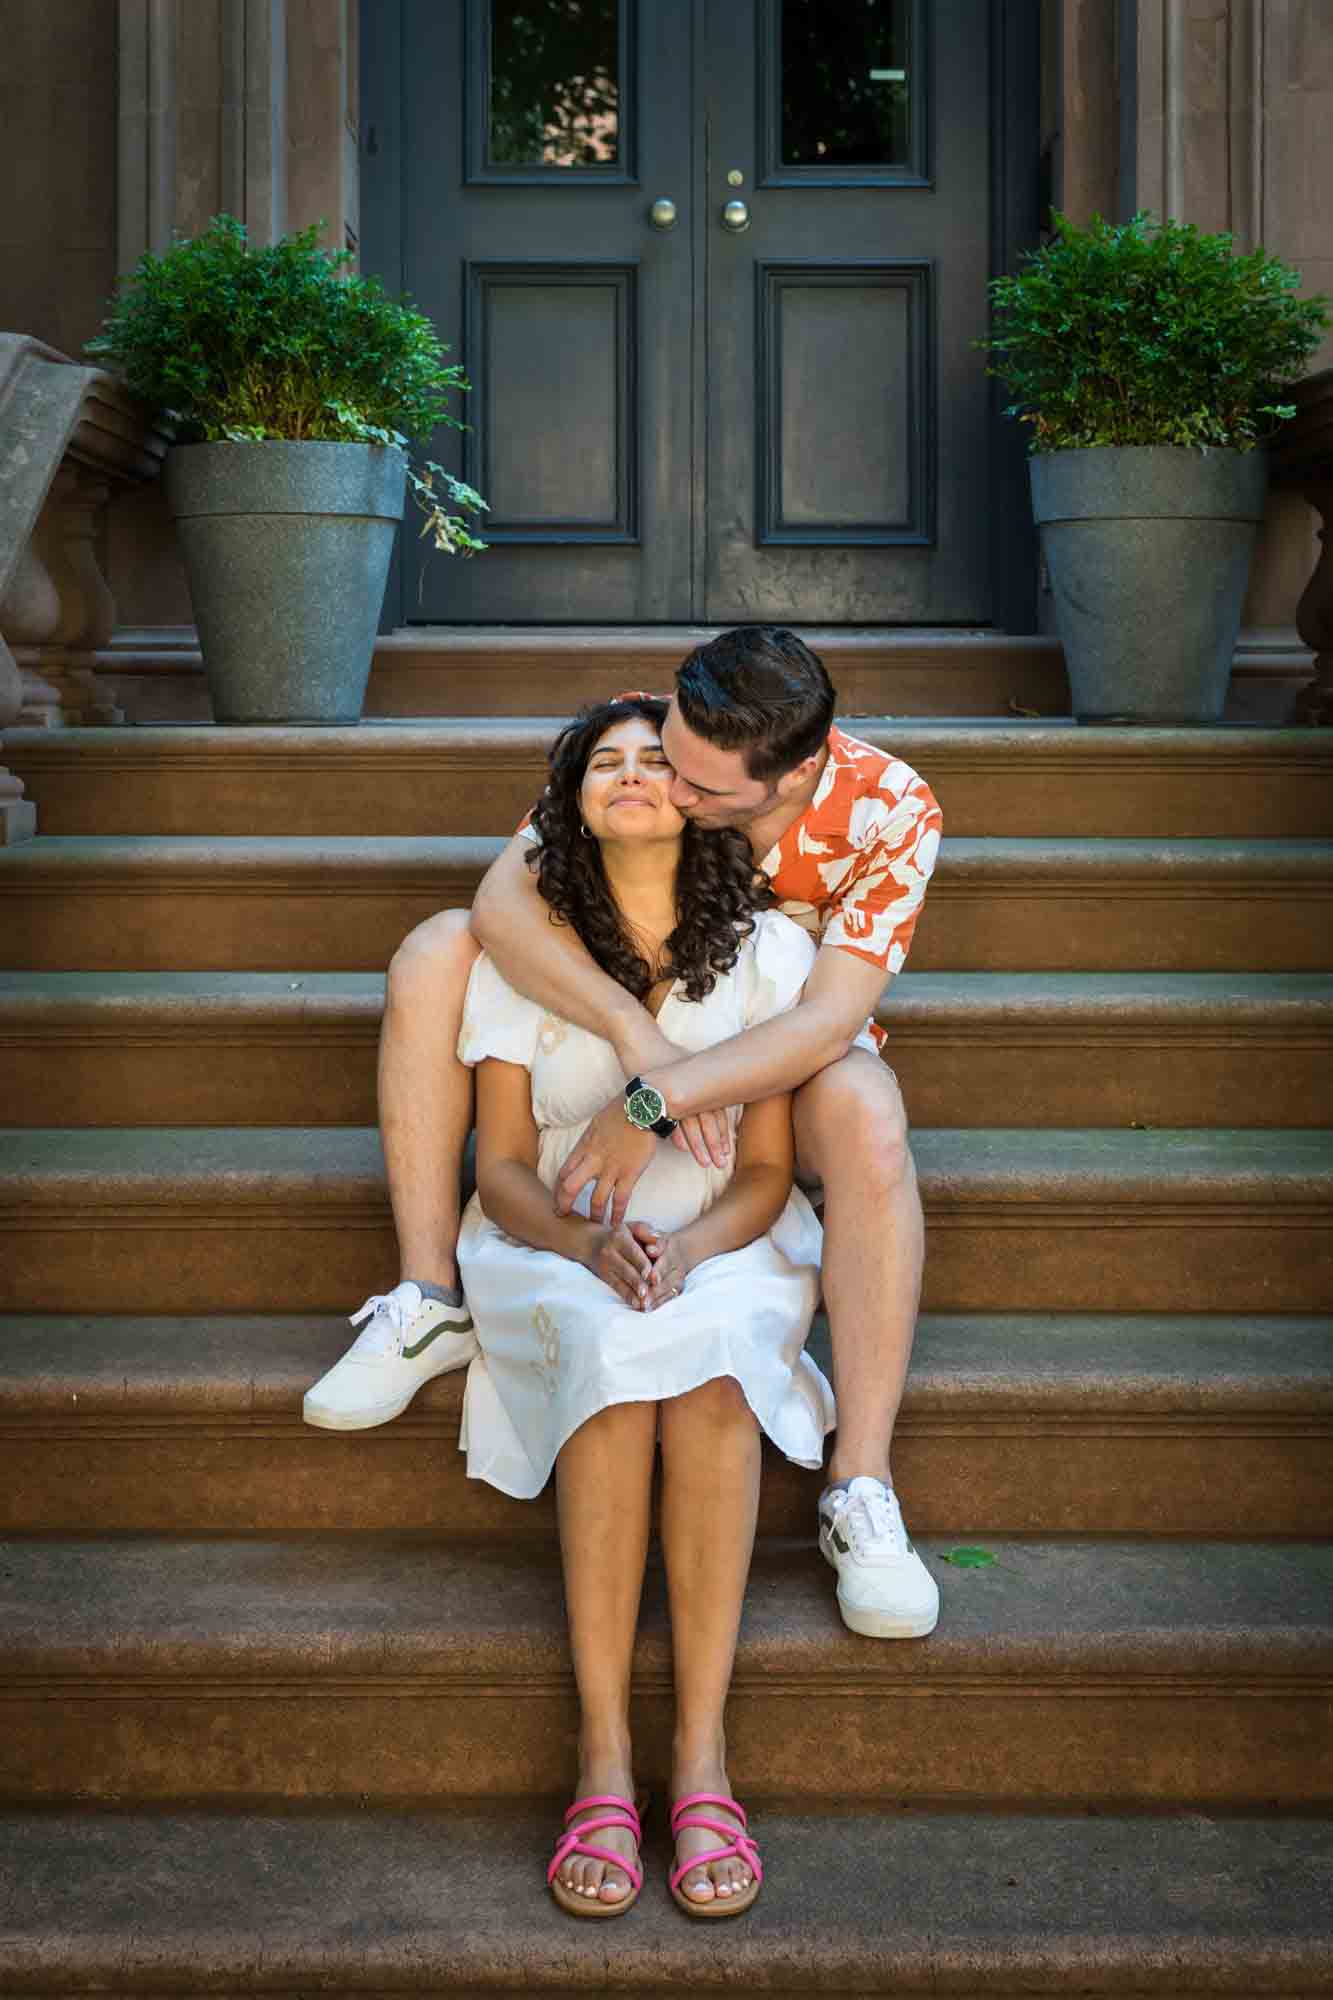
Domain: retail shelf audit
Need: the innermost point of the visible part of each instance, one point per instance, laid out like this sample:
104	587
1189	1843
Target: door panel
556	442
850	484
526	236
845	403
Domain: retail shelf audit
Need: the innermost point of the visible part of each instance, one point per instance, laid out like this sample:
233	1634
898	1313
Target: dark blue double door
715	268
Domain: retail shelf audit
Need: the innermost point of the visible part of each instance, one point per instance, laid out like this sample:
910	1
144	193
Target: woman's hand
671	1262
619	1259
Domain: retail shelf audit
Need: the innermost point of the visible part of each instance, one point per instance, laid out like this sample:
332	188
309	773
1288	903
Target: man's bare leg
414	1331
425	1093
851	1130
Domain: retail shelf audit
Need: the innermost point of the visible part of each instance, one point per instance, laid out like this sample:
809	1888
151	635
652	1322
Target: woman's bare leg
710	1500
425	1093
604	1485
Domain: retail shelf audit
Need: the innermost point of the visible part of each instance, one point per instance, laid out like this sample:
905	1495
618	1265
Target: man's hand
707	1134
618	1258
612	1154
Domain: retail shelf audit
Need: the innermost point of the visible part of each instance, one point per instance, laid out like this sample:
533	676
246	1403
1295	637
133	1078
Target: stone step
1018	1424
478	775
894	1902
180	1048
156	675
506	670
1116	1673
121	903
249	1219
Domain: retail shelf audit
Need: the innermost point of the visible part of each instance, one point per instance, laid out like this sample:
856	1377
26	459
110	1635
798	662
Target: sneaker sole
354	1420
881	1625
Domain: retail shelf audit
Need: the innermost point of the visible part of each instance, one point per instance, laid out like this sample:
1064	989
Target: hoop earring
584	831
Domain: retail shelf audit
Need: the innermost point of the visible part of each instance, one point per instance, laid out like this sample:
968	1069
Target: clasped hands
645	1266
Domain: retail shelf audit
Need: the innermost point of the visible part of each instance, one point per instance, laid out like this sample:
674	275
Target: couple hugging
657	1049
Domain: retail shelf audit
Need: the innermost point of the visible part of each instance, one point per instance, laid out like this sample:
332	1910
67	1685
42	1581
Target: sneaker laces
872	1521
388	1315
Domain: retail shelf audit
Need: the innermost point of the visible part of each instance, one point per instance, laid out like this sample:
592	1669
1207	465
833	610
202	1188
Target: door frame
1015	224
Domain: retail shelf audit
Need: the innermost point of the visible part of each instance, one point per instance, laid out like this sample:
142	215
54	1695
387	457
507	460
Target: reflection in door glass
554	83
846	69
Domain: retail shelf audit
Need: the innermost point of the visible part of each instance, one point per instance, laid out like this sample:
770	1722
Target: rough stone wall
58	188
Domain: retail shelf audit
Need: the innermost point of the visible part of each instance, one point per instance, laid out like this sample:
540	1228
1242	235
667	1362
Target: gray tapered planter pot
287	551
1148	552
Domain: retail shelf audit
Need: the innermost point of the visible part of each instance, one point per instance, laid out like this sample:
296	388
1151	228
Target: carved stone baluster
59	609
18	816
1314	615
29	615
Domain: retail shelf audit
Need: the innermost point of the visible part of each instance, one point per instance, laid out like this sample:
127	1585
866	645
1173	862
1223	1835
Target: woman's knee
719	1404
438	954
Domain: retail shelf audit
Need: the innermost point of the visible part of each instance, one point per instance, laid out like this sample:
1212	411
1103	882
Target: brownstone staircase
290	1712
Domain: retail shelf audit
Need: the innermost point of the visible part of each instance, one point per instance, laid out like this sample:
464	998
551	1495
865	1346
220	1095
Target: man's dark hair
760	690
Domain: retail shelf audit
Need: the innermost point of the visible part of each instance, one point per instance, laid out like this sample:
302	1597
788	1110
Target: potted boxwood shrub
1147	358
294	389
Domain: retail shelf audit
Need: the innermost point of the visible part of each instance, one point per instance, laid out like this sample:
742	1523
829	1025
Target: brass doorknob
662	214
735	217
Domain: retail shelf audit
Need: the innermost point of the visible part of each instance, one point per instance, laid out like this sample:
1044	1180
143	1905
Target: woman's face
624	794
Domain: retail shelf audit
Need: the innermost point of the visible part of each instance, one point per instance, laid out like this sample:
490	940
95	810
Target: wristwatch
646	1108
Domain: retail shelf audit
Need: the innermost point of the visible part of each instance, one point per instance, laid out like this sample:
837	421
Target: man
848	836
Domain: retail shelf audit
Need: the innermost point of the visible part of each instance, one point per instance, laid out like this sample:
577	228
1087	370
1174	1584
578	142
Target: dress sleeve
496	1021
778	959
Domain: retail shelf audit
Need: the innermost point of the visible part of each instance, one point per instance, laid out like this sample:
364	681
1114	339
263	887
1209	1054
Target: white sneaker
409	1339
885	1590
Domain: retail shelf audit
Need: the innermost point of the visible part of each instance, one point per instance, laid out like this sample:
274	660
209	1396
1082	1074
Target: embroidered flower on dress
546	1364
551	1033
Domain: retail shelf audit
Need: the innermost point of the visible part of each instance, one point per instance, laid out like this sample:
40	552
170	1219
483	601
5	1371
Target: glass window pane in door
846	83
555	84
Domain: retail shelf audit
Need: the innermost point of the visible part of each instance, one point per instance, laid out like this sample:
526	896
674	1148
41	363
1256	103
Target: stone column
202	119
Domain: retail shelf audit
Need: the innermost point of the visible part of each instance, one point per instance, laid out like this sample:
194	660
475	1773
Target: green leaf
969	1558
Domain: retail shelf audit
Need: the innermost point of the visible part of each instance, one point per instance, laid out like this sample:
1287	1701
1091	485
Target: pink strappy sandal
740	1847
618	1812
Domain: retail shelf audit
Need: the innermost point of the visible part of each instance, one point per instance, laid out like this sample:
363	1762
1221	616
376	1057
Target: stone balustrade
1301	457
70	439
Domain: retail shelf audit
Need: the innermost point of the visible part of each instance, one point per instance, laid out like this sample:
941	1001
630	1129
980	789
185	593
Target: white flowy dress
557	1344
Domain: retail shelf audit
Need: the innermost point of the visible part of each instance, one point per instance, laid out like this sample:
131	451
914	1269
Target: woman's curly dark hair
718	888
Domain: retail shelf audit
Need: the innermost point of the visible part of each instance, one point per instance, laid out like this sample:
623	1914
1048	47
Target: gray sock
441	1297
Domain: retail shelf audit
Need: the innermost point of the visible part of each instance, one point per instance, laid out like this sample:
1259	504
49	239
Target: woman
687	1323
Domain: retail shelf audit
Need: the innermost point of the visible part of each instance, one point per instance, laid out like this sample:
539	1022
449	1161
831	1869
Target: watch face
645	1106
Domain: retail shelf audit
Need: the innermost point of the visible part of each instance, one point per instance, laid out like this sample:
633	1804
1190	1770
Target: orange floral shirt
853	869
